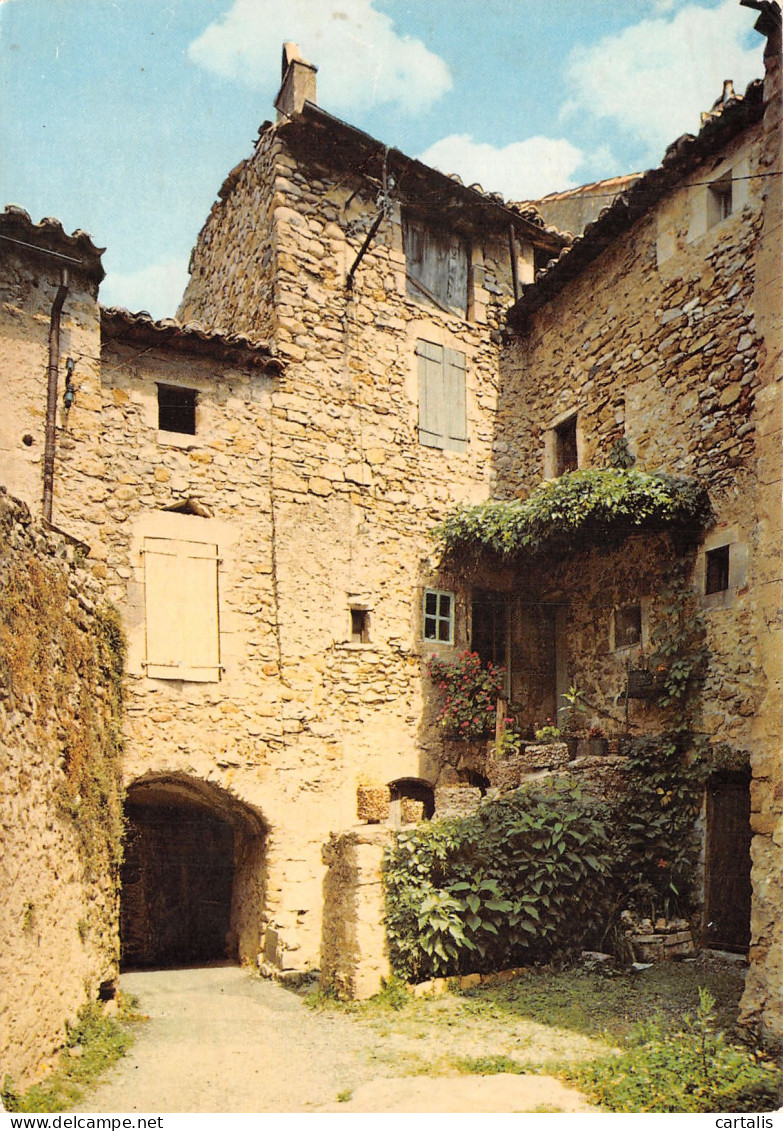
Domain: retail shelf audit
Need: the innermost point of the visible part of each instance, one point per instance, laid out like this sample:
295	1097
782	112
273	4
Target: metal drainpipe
51	395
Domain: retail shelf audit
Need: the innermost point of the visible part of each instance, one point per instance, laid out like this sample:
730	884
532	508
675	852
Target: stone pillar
354	953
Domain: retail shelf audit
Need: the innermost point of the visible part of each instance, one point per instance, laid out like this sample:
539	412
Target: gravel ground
220	1039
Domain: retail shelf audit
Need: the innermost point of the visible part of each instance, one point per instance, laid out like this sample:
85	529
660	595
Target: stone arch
416	788
194	875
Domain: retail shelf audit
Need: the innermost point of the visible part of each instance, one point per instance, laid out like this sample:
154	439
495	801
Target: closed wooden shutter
181	608
456	416
432	395
437	267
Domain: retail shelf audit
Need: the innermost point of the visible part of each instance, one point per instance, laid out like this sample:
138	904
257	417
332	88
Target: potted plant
547	734
597	740
574	707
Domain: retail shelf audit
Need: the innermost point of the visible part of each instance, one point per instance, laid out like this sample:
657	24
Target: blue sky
122	117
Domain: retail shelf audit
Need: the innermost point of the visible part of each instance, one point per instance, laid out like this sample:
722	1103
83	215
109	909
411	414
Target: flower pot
372	803
598	747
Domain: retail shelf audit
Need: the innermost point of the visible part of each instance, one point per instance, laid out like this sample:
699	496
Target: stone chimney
298	85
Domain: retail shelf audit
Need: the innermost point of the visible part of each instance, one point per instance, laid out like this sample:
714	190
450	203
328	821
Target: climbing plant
589	506
62	661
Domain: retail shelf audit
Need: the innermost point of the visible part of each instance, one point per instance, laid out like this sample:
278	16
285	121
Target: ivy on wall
579	509
61	665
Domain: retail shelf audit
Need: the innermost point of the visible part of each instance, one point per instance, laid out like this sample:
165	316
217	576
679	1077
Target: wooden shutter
438	262
454	385
432	395
181	608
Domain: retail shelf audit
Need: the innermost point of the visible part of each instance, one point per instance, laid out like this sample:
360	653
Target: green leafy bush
690	1068
589	506
524	879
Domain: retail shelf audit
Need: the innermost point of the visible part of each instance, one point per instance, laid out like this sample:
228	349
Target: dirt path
221	1040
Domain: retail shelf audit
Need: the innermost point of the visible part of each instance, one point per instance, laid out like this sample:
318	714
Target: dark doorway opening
727	884
177	881
416	789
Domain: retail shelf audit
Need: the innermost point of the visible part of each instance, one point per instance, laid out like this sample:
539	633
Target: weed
345	1095
101	1041
489	1065
687	1068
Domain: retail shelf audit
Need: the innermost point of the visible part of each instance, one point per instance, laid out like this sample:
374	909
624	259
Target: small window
566	455
628	626
360	626
177	409
439	616
716	573
442	411
719	200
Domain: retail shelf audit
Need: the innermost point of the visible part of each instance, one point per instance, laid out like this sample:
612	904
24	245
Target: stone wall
59	792
668	341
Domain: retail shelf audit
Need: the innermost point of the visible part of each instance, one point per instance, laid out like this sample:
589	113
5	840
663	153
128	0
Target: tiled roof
315	134
189	337
49	238
681	158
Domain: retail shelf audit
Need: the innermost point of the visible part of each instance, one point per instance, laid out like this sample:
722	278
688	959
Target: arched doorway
415	788
193	877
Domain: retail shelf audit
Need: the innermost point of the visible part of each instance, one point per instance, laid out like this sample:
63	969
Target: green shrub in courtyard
526	878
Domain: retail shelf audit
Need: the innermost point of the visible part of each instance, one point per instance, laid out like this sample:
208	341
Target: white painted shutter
181	607
456	414
432	395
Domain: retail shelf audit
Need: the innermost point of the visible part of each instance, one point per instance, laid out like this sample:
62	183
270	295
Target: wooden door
727	865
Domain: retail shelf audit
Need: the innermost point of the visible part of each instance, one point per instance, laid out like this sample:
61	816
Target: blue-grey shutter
456	413
432	395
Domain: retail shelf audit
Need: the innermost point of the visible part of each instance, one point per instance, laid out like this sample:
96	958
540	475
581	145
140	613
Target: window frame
437	616
427	247
720	199
721	555
183	393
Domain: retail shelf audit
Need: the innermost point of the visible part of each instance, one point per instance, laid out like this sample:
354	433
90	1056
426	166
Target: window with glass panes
438	616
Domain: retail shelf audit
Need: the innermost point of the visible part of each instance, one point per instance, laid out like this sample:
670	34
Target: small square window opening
716	573
628	626
439	616
719	200
360	626
566	454
177	409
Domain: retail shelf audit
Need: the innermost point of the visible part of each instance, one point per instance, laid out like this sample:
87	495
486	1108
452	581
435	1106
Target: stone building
364	345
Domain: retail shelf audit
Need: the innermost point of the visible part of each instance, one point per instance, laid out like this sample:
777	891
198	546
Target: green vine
65	665
580	508
679	656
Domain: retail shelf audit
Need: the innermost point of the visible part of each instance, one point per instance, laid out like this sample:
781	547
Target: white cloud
361	58
523	170
157	289
655	78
